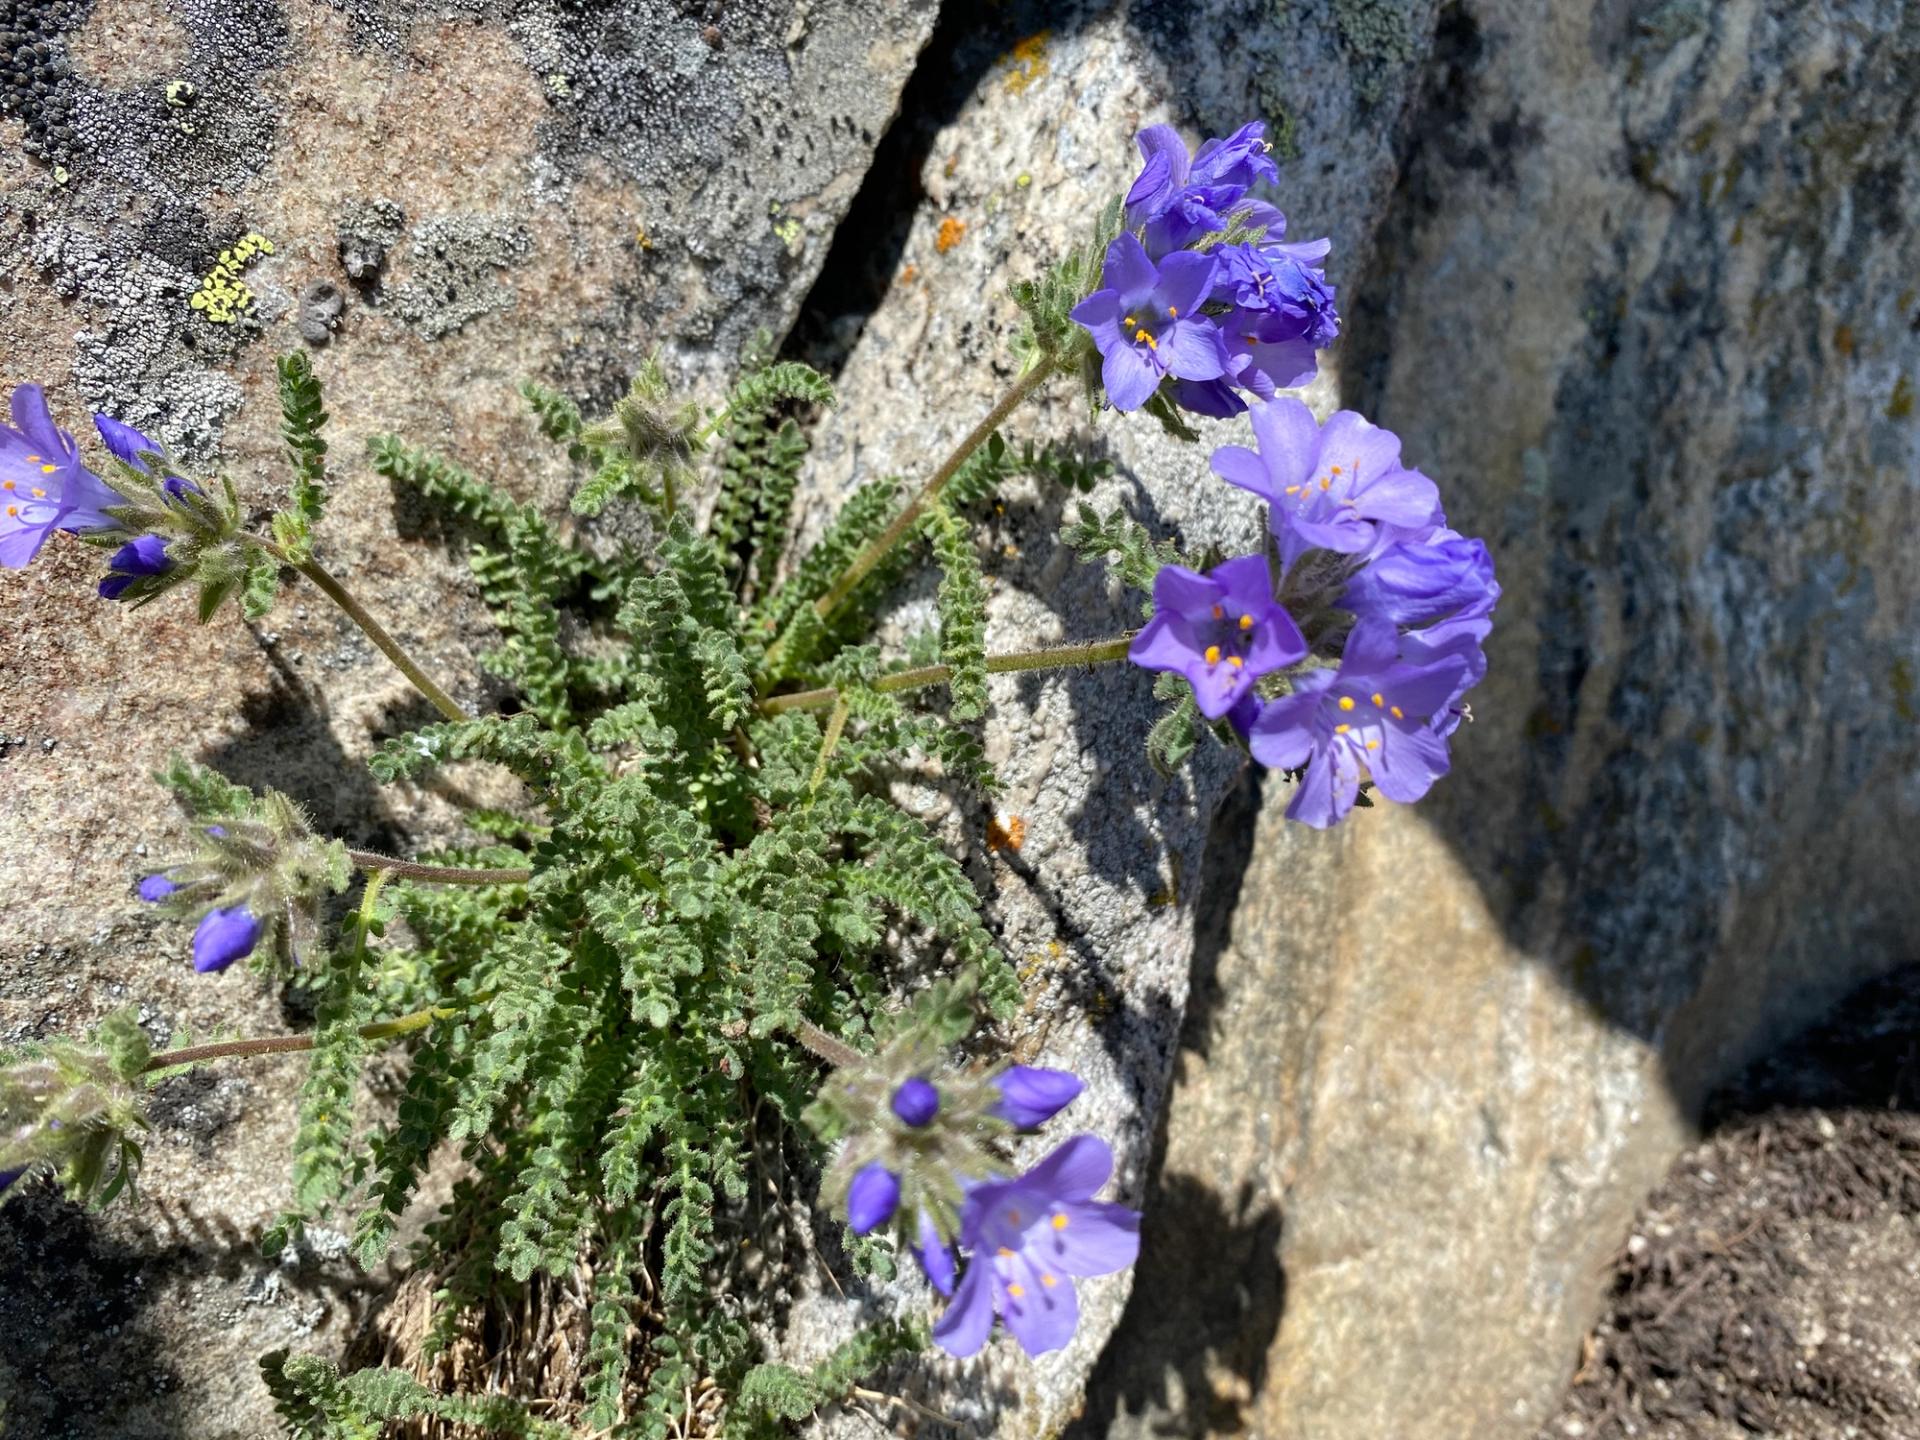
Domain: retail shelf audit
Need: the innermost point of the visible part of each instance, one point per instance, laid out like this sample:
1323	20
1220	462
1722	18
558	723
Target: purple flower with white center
872	1198
156	888
1222	630
1330	487
43	485
1147	323
1029	1239
916	1102
224	936
139	558
1374	716
1031	1095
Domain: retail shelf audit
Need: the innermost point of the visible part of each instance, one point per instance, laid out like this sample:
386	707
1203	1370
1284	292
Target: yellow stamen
1130	322
38	493
1059	1222
1325	484
1346	702
1373	744
1213	654
1016	1290
1293	489
1218	613
1048	1281
13	509
1397	713
1005	1252
48	469
6	484
1173	311
1246	622
1341	729
1152	344
1235	661
1333	469
1378	699
33	459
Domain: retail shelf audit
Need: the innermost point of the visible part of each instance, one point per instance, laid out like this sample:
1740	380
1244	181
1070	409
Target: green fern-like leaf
302	417
963	612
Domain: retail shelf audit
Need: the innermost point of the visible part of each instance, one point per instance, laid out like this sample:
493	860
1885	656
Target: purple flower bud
872	1198
156	888
224	936
7	1177
1030	1096
140	557
935	1256
916	1103
218	832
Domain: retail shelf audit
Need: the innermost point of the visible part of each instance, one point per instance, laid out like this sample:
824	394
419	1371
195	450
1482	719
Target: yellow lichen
223	295
1027	61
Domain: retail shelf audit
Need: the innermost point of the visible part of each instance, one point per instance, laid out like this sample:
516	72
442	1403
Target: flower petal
1193	350
1182	284
1289	440
1128	271
1076	1168
1408	761
1165	644
1031	1095
968	1320
1240	466
1129	377
1039	1306
1282	737
1090	1237
1398	497
935	1256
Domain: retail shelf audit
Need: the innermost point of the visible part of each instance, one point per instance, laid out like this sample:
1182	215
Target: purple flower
224	936
1222	630
916	1103
43	485
1242	159
1178	198
1375	715
1283	282
1425	576
1029	1237
7	1177
156	888
133	446
140	557
1030	1095
1147	322
1331	487
872	1198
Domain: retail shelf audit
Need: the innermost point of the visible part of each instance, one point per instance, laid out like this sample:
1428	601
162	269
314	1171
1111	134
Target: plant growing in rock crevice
707	944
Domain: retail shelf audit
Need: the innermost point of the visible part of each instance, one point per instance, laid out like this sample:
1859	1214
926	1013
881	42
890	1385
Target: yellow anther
1235	661
1346	702
38	493
1378	699
1213	654
1174	311
13	509
33	459
1218	613
1397	713
1373	744
1059	1222
1293	489
1016	1290
1341	729
1333	469
48	469
1151	343
1130	322
1325	483
1048	1281
6	484
1246	622
1004	1251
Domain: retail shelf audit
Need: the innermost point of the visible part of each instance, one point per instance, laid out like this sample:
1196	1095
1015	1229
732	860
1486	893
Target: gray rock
1643	305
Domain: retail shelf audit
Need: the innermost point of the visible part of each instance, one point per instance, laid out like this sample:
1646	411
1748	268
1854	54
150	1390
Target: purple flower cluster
1403	603
48	488
1020	1243
1178	304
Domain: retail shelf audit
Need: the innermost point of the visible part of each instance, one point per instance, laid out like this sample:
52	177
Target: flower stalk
293	1044
437	874
1052	657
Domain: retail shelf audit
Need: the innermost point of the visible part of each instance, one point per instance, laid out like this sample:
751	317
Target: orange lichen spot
951	229
909	273
1006	832
1027	61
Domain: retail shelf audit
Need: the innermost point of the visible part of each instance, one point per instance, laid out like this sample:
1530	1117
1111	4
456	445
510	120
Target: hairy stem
292	1044
834	1052
436	874
1052	657
903	523
374	630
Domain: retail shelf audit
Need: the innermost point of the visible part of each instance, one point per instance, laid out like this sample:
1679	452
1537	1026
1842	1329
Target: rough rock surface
1644	305
496	191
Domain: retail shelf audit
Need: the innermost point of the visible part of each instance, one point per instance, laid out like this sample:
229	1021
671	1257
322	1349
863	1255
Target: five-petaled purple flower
1375	714
224	936
43	485
1222	630
1147	322
1029	1238
1334	487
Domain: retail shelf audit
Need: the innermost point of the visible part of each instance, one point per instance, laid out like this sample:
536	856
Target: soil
1770	1285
